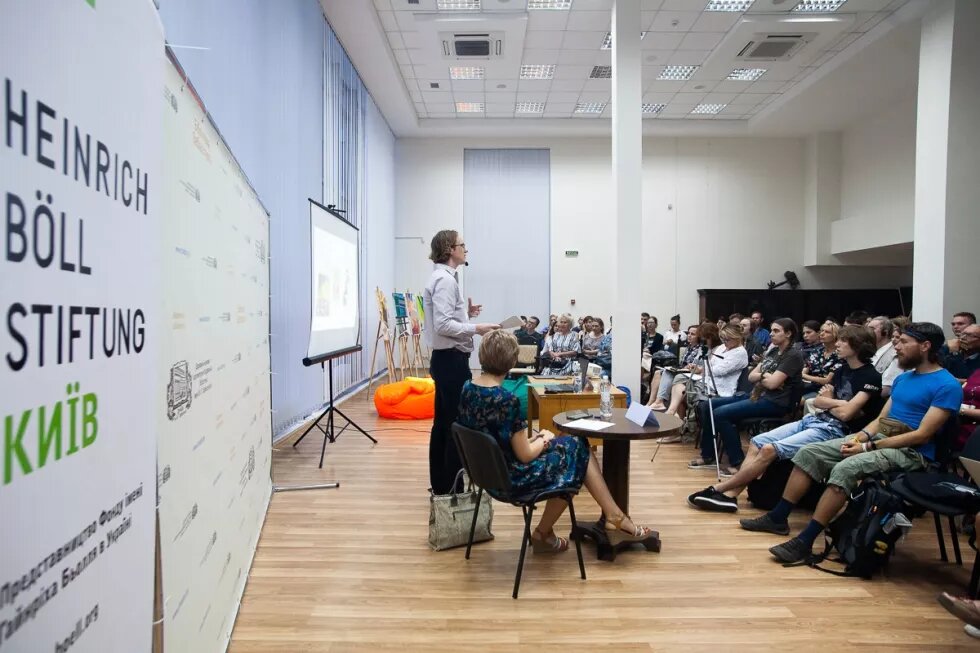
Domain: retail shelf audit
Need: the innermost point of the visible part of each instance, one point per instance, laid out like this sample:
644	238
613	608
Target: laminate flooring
350	570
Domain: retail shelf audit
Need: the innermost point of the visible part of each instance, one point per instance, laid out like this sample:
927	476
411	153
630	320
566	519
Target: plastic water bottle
576	378
605	397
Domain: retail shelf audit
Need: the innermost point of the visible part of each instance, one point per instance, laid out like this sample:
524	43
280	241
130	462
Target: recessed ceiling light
607	41
466	72
549	4
678	73
529	107
469	107
818	6
709	108
601	72
653	108
728	5
458	5
590	107
537	71
746	74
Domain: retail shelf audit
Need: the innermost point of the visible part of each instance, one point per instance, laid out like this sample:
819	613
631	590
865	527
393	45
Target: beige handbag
450	516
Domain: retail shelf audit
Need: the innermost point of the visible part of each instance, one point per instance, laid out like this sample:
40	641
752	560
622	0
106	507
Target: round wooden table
616	470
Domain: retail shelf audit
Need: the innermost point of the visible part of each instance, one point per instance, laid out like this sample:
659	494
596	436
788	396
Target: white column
627	157
822	196
947	160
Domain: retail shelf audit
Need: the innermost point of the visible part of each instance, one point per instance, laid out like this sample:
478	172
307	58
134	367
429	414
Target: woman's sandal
553	544
617	534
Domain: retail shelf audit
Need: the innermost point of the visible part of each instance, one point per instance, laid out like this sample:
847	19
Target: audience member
884	359
902	322
959	322
857	318
964	608
560	350
736	318
720	377
604	357
753	348
820	365
675	335
811	338
663	379
653	342
900	439
541	463
776	379
845	406
969	410
721	322
528	334
966	359
544	328
592	337
759	330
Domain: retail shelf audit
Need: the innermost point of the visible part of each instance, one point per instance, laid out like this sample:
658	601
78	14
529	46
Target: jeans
729	411
790	438
450	370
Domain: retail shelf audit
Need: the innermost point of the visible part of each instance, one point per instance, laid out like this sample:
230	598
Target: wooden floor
350	570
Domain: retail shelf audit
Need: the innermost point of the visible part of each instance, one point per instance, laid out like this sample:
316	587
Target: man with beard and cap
900	439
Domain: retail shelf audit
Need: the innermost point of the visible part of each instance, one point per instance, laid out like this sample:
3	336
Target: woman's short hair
565	317
788	326
834	329
442	245
861	339
498	352
733	332
602	325
708	334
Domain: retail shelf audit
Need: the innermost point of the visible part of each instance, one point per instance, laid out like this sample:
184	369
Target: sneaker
712	500
700	463
793	550
972	631
764	524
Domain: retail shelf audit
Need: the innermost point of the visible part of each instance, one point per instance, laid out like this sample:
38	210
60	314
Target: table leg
616	472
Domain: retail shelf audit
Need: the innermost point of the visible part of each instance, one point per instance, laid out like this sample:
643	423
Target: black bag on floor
765	491
865	534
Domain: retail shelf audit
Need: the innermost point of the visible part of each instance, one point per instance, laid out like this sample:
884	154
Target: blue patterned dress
497	412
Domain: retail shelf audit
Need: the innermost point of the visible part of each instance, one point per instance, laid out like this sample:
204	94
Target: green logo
91	3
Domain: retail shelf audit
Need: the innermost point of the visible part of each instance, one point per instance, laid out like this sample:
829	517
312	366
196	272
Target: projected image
334	270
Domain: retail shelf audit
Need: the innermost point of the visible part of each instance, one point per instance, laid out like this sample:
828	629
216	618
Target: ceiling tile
719	98
658	98
689	98
588	20
432	71
748	99
583	40
683	5
716	21
646	17
654	60
558	110
701	41
688	58
502	97
382	4
597	85
661	40
436	96
396	41
664	87
547	20
698	86
507	108
440	106
543	40
467	85
413	40
731	86
763	87
568	71
415	95
422	5
569	84
541	56
531	97
401	56
534	85
426	85
501	85
407	72
469	97
405	21
593	5
563	97
388	22
650	5
664	21
579	57
594	97
678	109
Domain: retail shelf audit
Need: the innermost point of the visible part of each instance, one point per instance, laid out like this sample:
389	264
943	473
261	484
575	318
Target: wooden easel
383	335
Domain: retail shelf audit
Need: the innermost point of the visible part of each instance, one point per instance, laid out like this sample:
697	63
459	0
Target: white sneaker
972	631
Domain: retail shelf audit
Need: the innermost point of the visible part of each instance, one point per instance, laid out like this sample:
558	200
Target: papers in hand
589	424
511	323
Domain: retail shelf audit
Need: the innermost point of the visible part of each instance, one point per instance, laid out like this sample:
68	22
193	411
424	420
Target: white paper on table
511	323
589	424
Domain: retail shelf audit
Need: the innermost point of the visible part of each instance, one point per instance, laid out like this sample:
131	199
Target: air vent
773	47
472	45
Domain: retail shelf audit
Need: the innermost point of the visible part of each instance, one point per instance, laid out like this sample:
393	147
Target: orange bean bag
412	398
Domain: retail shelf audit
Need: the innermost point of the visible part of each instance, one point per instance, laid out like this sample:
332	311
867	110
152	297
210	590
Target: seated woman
592	336
822	362
561	350
775	378
543	463
664	379
728	359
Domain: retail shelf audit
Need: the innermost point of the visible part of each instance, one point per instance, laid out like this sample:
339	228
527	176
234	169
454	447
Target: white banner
80	186
213	394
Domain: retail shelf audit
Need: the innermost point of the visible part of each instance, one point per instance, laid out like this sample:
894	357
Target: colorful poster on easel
413	315
401	313
420	308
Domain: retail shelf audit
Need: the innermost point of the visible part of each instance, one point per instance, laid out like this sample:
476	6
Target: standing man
450	339
760	333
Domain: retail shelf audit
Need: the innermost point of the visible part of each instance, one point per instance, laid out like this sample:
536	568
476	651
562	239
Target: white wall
878	181
735	219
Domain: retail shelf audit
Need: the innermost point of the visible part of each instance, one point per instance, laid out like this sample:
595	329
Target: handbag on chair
450	516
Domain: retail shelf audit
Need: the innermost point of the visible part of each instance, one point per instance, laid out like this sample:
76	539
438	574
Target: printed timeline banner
212	397
81	191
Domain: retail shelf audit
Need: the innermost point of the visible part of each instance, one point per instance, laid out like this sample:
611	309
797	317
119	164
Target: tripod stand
329	432
708	374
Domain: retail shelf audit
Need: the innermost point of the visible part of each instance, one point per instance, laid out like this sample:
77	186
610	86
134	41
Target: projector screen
334	318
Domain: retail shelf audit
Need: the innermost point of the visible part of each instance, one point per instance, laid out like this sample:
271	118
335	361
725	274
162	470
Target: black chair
484	463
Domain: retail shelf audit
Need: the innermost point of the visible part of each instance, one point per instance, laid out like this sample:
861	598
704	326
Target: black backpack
865	534
766	491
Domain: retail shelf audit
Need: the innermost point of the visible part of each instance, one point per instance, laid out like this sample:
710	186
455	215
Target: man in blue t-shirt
900	439
759	331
